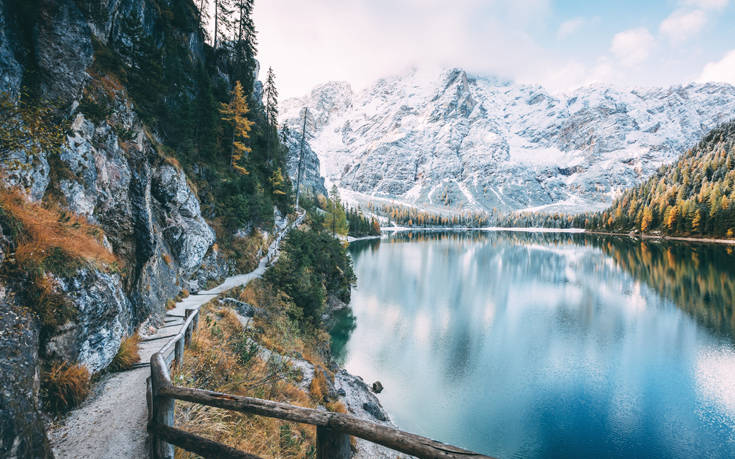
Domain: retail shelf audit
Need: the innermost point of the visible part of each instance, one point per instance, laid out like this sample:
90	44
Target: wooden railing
332	429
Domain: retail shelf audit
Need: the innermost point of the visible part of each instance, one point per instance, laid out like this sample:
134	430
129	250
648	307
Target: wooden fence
333	430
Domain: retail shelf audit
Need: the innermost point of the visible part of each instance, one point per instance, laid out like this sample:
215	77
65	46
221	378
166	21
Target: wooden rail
332	429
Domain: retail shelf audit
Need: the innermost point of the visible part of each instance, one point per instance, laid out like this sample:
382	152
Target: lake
548	345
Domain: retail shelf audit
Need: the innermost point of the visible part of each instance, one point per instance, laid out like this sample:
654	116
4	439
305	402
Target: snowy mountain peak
454	141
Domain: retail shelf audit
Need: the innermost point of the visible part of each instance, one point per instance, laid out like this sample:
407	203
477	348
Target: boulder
377	387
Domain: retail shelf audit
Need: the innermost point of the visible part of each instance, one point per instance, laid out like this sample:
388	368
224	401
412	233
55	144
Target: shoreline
399	229
703	240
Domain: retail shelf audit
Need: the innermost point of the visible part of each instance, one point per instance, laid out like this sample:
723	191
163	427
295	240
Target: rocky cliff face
311	178
111	171
457	141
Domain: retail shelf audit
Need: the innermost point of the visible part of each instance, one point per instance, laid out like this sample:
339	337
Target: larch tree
236	112
647	220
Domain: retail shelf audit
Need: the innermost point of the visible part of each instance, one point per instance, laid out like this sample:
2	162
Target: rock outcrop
110	170
22	430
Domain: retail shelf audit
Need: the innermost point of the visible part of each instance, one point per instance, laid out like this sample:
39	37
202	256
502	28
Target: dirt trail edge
111	423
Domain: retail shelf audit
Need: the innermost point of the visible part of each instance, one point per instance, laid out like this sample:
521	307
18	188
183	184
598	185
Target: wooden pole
163	407
404	442
187	334
179	353
331	444
199	445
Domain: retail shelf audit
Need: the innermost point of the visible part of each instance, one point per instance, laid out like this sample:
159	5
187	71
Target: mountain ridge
460	142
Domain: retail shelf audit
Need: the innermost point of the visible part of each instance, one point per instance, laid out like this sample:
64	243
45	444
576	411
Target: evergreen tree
223	22
271	99
245	43
236	113
336	219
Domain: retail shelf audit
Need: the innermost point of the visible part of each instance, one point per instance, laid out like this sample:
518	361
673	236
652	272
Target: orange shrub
65	386
127	354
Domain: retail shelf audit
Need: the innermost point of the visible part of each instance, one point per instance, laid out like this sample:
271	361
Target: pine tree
245	42
222	20
336	220
271	99
236	113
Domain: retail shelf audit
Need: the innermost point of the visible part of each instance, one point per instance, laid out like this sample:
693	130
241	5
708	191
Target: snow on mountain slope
456	141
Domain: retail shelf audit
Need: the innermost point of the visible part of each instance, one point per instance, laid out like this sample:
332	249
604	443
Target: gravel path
111	423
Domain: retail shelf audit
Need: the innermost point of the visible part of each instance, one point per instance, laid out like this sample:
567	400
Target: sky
558	44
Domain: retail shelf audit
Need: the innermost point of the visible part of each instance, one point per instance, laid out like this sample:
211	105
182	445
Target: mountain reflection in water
539	344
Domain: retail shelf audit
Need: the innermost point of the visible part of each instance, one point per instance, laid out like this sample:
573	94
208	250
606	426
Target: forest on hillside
694	196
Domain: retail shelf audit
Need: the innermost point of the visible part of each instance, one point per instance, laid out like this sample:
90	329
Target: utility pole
301	158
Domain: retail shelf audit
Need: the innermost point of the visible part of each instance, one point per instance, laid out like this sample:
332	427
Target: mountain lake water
548	344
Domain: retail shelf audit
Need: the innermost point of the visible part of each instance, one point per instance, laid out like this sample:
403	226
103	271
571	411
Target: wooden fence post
163	407
179	353
331	444
187	333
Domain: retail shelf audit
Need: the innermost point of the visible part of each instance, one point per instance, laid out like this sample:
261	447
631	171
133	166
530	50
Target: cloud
720	71
682	25
632	46
362	40
707	4
570	26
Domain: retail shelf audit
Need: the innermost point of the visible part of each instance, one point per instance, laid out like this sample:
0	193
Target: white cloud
569	27
707	4
720	71
682	25
632	46
311	42
308	43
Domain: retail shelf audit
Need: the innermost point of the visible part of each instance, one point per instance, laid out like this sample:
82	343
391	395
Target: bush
65	386
127	354
312	267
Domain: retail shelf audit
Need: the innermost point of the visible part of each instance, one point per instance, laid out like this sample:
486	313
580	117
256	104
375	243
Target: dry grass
49	240
127	354
65	386
318	387
222	358
46	233
213	362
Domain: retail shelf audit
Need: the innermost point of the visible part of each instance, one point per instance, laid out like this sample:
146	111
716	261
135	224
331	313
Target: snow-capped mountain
455	141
